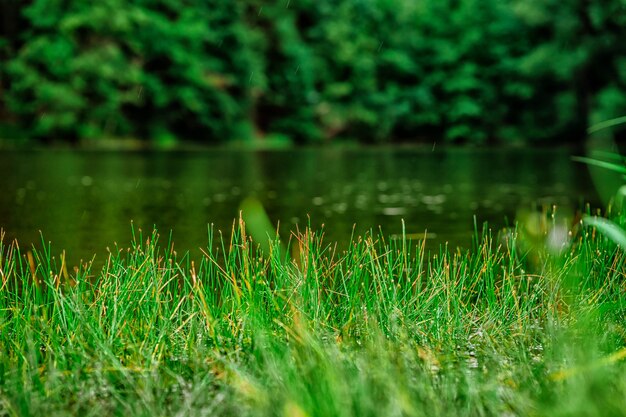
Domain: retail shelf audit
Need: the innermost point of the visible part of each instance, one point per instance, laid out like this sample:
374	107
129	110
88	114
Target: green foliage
119	68
466	71
577	52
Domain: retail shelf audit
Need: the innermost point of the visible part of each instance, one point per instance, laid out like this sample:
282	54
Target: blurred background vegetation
310	71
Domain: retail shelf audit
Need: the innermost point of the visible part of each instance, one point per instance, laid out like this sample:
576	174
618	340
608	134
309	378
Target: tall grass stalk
382	329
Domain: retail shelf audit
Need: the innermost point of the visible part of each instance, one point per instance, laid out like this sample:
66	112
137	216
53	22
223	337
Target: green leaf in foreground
619	168
606	124
607	228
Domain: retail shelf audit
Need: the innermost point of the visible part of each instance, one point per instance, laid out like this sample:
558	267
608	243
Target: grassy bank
383	329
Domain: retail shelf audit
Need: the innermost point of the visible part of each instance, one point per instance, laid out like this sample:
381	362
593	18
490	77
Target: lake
85	201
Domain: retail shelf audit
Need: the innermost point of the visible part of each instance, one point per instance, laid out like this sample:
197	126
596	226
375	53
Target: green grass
382	329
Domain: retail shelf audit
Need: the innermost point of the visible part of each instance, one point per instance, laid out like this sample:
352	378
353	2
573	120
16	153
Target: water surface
85	201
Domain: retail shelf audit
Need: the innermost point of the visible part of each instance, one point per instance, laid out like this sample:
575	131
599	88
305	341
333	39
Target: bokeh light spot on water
219	197
394	211
433	199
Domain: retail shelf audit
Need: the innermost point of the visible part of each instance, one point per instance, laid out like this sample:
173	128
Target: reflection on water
84	201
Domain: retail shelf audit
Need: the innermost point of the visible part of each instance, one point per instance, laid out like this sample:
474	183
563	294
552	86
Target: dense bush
144	68
316	70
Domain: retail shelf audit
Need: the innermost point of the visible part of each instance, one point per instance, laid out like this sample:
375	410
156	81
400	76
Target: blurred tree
286	94
462	71
11	26
575	62
146	68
